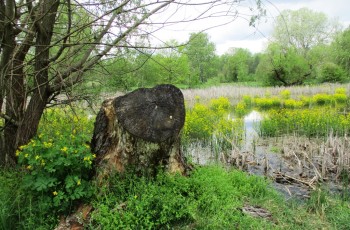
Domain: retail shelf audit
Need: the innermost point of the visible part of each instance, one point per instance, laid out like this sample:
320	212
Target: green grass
210	198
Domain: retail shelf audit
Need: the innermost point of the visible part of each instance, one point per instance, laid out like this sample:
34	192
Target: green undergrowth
211	197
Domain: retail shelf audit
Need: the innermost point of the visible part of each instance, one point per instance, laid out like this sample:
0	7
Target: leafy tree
294	55
283	66
201	53
303	29
341	47
48	46
331	72
237	65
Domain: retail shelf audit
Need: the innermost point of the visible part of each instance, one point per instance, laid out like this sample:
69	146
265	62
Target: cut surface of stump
141	130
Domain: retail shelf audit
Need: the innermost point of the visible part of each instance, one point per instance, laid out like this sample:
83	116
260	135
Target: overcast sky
238	33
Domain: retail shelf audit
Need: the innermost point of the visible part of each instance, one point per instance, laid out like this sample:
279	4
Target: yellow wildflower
18	152
79	182
64	149
29	167
55	193
47	144
37	157
26	155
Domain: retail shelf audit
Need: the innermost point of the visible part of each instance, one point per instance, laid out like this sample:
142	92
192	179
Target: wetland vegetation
299	155
266	133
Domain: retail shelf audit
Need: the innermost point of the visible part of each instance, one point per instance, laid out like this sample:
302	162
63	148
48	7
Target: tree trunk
141	131
21	121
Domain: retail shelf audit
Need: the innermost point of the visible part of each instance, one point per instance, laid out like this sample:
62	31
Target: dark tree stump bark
141	130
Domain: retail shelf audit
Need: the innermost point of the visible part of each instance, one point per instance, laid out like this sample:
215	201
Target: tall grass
235	93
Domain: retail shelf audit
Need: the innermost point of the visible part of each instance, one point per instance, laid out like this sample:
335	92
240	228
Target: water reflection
251	121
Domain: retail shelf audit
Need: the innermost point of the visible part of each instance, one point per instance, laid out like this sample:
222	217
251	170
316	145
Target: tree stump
141	131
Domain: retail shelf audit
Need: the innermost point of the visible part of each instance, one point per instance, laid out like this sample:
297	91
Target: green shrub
285	94
267	103
220	105
331	72
241	109
322	99
247	100
340	90
292	104
340	98
58	161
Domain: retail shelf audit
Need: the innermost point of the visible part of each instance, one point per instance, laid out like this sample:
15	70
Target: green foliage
292	104
267	103
201	57
322	99
311	123
18	208
209	198
331	72
285	94
341	47
58	161
283	66
238	65
318	201
241	109
204	122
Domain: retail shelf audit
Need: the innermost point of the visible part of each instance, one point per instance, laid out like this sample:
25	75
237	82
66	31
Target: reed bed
235	93
297	159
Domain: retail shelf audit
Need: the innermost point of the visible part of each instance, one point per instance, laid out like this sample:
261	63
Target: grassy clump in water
318	122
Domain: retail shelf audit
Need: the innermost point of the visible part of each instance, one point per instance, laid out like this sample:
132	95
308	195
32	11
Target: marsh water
293	176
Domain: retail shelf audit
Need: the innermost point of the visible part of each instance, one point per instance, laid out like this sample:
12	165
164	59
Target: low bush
267	103
58	162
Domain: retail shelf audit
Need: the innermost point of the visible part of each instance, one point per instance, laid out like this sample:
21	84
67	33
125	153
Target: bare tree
47	45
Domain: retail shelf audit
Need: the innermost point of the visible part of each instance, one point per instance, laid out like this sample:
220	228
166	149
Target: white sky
238	33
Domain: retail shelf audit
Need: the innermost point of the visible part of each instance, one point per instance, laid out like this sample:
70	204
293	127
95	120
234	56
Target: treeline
306	47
